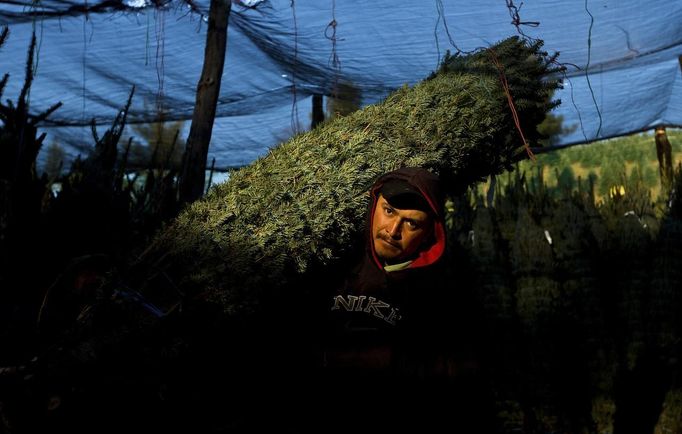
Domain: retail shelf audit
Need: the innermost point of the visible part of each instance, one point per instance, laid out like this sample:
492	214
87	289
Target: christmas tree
302	206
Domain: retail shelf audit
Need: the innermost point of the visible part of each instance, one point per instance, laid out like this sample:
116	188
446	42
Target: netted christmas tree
302	206
665	327
488	254
588	352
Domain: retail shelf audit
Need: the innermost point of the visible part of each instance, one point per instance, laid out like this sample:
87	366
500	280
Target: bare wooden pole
318	111
664	154
193	173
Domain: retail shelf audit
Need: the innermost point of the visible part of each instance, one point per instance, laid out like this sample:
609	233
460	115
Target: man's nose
394	230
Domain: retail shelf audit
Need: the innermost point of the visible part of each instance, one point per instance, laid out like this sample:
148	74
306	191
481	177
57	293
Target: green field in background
612	162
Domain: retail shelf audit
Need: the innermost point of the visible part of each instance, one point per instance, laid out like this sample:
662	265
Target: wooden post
193	174
318	111
664	154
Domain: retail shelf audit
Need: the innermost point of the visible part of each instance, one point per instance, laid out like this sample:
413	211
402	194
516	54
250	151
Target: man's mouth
389	242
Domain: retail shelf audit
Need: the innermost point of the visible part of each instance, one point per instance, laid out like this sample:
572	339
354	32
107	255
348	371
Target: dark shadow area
639	395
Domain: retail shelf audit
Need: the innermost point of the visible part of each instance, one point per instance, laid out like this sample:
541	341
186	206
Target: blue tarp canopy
622	58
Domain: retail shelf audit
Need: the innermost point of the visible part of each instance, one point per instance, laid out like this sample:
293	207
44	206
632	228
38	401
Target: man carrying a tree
398	342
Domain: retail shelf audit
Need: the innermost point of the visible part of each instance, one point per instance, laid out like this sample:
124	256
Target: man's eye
412	225
388	210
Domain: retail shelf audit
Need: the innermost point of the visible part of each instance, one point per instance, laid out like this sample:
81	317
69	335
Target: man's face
398	233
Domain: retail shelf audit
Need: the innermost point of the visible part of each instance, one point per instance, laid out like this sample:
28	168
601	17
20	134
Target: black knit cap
403	195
